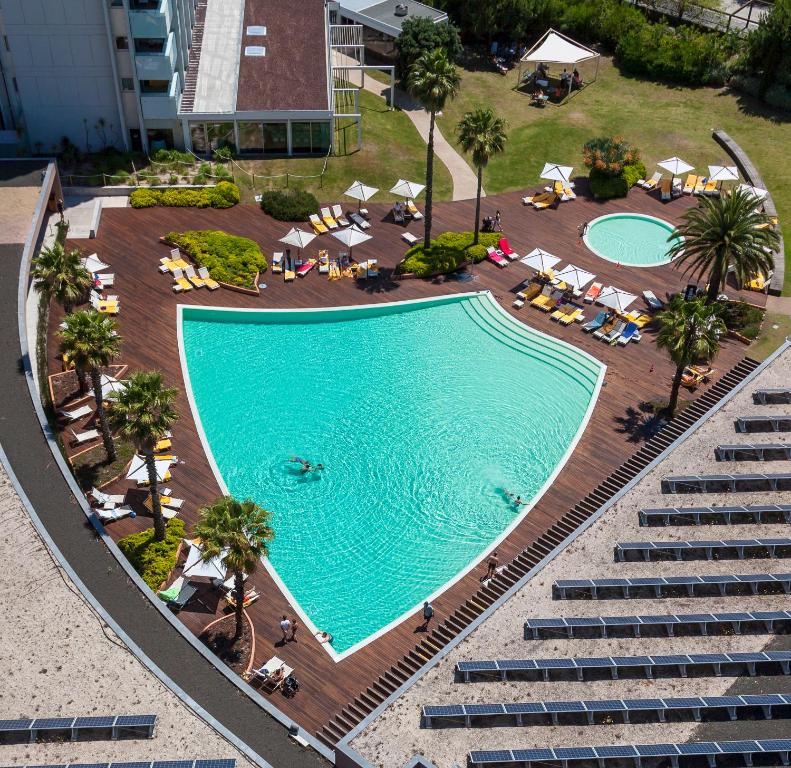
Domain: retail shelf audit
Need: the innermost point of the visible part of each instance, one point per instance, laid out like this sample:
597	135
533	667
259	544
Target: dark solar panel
89	765
229	763
677	659
770	615
644	703
764	699
526	708
647	581
477	666
723	701
699	748
656	750
564	706
173	764
775	745
136	720
15	725
710	658
574	753
616	751
695	618
52	722
747	656
94	722
604	705
545	623
615	621
516	664
738	746
131	765
631	661
594	661
555	664
683	702
533	754
454	710
778	655
484	709
491	756
584	621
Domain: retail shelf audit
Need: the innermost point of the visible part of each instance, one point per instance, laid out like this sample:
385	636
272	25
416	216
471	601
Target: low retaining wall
751	175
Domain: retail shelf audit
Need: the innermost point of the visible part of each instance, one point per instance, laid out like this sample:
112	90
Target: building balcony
161	106
150	19
157	66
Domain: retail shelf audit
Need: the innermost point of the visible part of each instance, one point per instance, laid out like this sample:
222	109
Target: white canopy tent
408	189
756	192
615	298
138	471
556	48
351	236
297	237
360	192
540	260
555	172
574	276
676	166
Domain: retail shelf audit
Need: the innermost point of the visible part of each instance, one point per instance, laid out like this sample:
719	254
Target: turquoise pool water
422	413
632	239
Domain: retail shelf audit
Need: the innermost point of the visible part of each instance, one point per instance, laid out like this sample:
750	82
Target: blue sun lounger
629	333
596	323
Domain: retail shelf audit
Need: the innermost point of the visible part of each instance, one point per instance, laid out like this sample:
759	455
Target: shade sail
574	276
555	48
675	165
360	191
555	172
723	173
196	566
615	298
139	472
410	189
540	260
351	236
297	237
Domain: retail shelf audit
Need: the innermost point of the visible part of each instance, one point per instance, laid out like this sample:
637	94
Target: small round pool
632	239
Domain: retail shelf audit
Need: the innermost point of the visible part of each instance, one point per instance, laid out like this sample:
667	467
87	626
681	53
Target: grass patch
447	253
153	559
91	468
662	120
775	330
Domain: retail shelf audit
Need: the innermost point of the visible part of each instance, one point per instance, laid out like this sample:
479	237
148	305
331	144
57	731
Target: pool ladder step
387	683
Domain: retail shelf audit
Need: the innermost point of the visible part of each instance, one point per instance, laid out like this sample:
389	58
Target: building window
220	135
275	138
154	86
251	138
116	3
135	140
127	84
122	43
198	138
159	138
310	138
149	44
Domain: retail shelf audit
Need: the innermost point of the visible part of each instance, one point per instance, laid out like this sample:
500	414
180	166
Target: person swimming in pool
515	498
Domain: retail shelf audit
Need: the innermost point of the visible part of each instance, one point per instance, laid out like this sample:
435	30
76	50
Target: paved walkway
465	181
780	305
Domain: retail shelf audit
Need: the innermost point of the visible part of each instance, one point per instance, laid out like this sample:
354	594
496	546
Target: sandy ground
58	659
396	736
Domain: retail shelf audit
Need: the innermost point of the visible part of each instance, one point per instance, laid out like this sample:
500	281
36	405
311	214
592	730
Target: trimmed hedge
229	258
447	253
223	195
604	187
289	206
153	559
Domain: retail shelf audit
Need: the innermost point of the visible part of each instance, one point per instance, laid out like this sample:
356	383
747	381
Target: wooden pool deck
636	374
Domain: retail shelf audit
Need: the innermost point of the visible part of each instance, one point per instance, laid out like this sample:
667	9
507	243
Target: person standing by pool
293	630
491	566
428	615
285	627
582	229
498	222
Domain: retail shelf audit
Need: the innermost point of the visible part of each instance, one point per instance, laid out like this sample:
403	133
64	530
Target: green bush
421	34
173	156
447	253
153	559
229	258
632	173
743	318
223	195
609	154
605	187
289	206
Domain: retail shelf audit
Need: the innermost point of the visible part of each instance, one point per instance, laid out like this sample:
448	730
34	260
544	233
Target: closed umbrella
298	238
540	260
139	472
615	298
351	236
676	166
408	189
723	173
574	276
360	192
555	172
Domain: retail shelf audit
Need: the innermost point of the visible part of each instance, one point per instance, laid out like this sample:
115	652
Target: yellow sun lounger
317	225
544	201
758	283
108	307
570	317
335	270
327	218
289	275
539	300
700	185
163	445
690	184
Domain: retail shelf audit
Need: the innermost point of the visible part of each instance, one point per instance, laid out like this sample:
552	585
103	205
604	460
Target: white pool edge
334	655
626	213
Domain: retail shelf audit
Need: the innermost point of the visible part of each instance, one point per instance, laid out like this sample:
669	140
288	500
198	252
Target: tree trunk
82	380
715	281
107	436
238	588
478	206
429	182
153	484
671	407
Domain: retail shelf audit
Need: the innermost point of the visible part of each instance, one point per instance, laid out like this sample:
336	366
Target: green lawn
392	148
774	331
661	120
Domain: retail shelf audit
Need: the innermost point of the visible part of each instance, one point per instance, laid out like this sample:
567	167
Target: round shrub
289	206
224	195
145	198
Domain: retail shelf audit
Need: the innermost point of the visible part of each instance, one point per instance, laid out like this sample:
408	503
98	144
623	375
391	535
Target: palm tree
60	274
91	342
143	413
483	134
690	332
726	233
432	80
241	530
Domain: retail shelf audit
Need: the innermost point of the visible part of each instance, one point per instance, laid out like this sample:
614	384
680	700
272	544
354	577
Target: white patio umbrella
756	192
540	260
615	298
298	238
360	192
723	173
196	566
555	172
93	264
110	386
351	236
676	166
408	189
574	276
138	471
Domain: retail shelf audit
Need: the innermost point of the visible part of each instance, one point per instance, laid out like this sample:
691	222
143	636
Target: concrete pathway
779	305
465	181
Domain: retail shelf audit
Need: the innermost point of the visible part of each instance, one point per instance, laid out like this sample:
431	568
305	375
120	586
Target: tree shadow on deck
640	423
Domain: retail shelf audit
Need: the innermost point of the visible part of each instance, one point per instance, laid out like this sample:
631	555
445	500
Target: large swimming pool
423	414
632	239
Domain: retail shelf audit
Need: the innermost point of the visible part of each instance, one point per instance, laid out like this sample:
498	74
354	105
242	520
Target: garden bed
64	387
91	468
154	560
449	252
218	637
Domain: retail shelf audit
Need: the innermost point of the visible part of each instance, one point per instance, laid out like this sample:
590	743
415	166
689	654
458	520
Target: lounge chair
77	413
629	332
506	250
337	213
194	278
289	274
249	598
561	311
398	214
105	306
563	191
544	200
304	268
652	182
324	263
596	323
496	258
107	500
700	185
666	190
409	237
186	593
412	210
694	375
361	222
604	328
277	263
164	264
710	190
163	445
318	227
575	316
611	336
689	184
334	270
550	303
327	218
638	318
593	293
109	515
211	284
180	283
529	291
85	437
652	301
273	673
107	280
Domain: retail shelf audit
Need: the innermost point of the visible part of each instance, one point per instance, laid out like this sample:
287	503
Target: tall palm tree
725	233
432	80
690	332
481	133
91	342
143	413
241	530
60	274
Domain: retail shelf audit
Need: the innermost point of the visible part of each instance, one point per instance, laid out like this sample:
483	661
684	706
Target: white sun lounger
409	237
107	499
337	213
116	513
652	300
266	671
85	437
107	279
77	413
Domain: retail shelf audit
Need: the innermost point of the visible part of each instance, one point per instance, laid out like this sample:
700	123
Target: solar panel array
31	729
778	394
757	512
505	668
706	546
212	763
753	452
660	583
770	481
692	705
636	751
773	420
